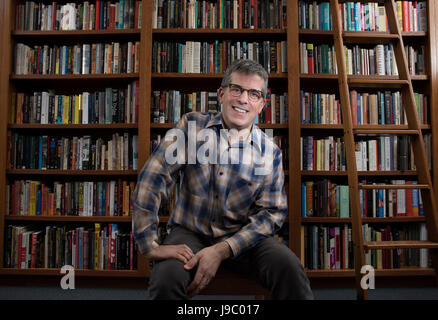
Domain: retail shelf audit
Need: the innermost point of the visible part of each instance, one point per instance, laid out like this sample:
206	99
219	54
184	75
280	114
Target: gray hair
247	67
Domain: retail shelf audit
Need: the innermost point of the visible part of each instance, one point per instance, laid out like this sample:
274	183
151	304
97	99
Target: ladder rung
376	82
399	244
386	131
394	186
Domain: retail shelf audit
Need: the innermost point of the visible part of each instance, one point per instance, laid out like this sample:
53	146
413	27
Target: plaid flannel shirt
227	201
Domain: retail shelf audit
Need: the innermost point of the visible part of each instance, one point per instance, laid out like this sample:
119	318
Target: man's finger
192	262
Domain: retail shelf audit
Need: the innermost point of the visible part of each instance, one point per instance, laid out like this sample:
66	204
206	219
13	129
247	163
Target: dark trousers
274	265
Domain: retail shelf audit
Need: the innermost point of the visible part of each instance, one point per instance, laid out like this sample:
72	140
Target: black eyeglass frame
262	96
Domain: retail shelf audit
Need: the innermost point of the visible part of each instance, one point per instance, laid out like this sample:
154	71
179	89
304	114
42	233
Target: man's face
239	112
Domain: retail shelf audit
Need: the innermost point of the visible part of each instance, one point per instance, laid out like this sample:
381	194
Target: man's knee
169	280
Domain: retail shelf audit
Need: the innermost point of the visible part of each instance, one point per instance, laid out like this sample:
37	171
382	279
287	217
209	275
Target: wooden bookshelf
331	83
67	84
293	81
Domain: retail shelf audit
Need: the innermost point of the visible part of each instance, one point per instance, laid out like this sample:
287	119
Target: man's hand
181	252
208	261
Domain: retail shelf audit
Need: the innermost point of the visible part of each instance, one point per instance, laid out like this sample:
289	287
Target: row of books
102	247
331	247
324	199
116	152
399	258
385	108
314	15
388	153
320	108
317	58
95	58
113	105
359	16
88	15
79	198
215	56
169	106
327	247
379	60
386	203
322	154
221	14
366	108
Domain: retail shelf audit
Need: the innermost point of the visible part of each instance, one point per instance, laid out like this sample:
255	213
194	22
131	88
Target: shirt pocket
243	193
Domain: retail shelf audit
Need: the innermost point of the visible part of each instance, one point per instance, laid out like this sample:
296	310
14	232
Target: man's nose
244	96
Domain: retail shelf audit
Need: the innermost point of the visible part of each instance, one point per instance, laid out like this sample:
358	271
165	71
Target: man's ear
262	105
220	94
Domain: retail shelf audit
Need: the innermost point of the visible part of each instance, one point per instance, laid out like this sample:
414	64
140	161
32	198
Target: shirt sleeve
269	213
154	182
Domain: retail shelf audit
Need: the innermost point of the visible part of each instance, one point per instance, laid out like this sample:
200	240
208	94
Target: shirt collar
255	133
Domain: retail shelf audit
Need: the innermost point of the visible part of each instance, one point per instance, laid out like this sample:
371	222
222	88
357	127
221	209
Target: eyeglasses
253	94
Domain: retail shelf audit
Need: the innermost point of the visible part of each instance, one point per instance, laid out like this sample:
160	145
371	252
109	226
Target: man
227	210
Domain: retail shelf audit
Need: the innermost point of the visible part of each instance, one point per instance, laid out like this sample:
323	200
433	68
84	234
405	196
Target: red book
409	211
54	15
33	250
405	15
353	103
97	15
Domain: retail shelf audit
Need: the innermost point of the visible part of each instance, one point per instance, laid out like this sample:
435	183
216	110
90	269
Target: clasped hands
207	260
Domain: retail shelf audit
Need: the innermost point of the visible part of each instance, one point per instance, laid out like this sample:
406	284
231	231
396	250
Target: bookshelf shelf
217	76
76	77
217	32
113	126
87	173
78	272
75	33
349	273
93	219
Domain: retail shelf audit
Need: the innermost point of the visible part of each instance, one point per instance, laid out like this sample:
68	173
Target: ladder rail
359	259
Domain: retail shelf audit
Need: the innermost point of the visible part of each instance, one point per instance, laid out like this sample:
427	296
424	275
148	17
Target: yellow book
78	100
110	58
32	197
399	15
96	245
66	108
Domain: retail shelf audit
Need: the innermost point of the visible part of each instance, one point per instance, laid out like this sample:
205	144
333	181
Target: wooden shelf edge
177	75
78	272
192	31
99	219
113	76
73	126
72	172
402	272
56	33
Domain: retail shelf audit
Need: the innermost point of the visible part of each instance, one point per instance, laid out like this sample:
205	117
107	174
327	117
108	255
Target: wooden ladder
413	131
